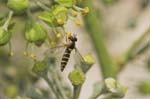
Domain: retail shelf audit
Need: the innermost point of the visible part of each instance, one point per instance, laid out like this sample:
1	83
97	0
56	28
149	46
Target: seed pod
35	33
76	77
18	6
66	3
4	36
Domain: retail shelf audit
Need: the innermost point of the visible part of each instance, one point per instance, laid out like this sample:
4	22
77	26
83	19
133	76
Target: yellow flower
85	11
60	21
78	22
58	35
74	13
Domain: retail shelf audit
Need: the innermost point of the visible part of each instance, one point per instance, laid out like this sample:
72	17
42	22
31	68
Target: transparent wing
55	50
53	55
79	60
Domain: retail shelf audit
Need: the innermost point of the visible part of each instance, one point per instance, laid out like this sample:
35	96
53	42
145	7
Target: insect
69	47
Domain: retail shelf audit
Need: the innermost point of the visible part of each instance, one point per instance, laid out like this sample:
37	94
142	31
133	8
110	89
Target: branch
133	51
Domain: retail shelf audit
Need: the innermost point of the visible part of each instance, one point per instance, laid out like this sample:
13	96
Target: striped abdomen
65	58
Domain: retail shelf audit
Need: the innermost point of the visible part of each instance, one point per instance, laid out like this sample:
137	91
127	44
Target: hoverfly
68	47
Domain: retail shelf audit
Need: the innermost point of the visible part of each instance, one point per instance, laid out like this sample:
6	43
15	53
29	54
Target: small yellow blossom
33	56
52	43
60	21
74	13
85	11
58	35
78	22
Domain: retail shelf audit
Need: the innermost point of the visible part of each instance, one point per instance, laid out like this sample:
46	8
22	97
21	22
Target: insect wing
55	50
79	60
54	54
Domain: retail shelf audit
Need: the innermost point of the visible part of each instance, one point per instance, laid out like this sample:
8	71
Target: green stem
131	53
51	86
76	91
43	6
96	96
131	50
108	67
59	87
6	24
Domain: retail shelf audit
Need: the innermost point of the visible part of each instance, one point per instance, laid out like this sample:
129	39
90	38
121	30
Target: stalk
93	25
133	50
76	91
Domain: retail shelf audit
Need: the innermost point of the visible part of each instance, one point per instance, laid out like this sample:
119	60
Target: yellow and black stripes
65	57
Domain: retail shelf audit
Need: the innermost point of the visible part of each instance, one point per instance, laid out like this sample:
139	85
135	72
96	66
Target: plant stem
43	6
108	67
131	50
6	24
51	86
76	91
59	87
130	54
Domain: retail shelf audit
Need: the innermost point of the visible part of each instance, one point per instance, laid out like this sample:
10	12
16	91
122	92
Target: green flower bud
48	18
40	68
57	17
76	77
60	13
89	59
18	6
66	3
115	88
87	62
4	36
35	33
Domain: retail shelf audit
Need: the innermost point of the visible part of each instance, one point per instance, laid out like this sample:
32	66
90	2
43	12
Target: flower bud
35	33
115	88
66	3
61	14
4	36
18	6
87	63
48	18
39	68
89	59
76	77
85	11
58	35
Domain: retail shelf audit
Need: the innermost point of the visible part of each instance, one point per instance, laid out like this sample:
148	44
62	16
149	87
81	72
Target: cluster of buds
35	33
18	6
56	18
60	13
5	32
116	89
